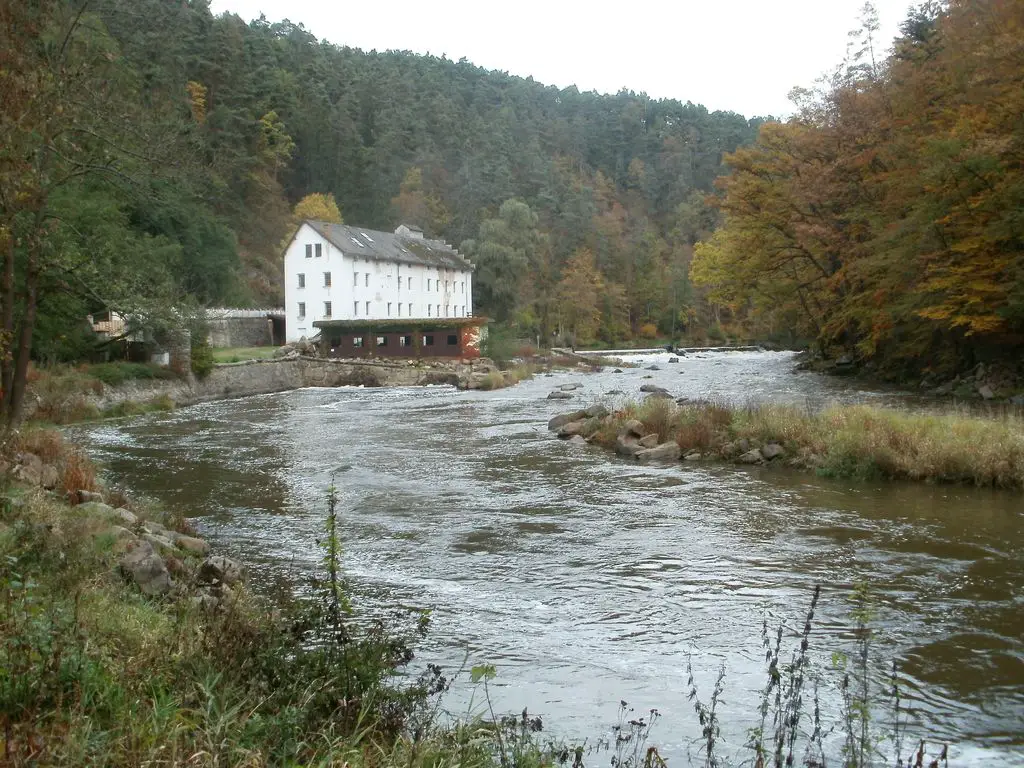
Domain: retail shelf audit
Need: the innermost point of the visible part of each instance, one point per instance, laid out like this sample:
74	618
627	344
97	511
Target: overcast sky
739	55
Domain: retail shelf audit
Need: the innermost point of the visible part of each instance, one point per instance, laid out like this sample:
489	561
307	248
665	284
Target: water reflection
587	578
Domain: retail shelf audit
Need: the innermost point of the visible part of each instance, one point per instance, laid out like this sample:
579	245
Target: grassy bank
841	441
94	672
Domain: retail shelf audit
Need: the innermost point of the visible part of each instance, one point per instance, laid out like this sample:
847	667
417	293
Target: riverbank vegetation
856	441
883	220
98	669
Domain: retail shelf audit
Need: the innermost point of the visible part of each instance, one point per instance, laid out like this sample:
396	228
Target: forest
153	157
885	221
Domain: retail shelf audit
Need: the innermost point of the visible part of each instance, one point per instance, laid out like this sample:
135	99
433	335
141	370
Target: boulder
570	429
673	359
204	602
614	392
597	411
659	395
627	445
85	497
29	469
751	457
49	477
617	370
648	441
651	388
578	440
144	566
633	427
772	451
151	526
162	543
652	368
570	387
692	456
668	451
192	544
559	395
565	418
96	509
126	516
986	392
220	569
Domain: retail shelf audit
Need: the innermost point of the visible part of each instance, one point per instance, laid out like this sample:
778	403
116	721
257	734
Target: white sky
739	55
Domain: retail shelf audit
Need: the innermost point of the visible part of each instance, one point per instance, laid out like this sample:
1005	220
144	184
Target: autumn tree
579	297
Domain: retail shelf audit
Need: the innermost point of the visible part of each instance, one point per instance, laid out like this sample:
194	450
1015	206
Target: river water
588	579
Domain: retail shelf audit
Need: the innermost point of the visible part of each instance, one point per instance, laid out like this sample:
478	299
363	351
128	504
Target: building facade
335	272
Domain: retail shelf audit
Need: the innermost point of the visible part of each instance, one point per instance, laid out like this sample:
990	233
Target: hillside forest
154	157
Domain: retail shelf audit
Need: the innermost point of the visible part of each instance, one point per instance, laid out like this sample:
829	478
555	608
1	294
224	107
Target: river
586	578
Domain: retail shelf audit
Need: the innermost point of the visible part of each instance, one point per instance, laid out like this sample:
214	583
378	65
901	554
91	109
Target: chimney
409	230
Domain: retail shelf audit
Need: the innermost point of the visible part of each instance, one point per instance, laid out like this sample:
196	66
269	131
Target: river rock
751	457
661	394
673	359
772	451
652	388
614	392
571	429
578	440
192	544
126	516
649	441
220	568
627	445
667	451
617	370
559	395
565	418
633	427
152	526
96	509
570	387
692	456
652	368
162	543
145	567
597	411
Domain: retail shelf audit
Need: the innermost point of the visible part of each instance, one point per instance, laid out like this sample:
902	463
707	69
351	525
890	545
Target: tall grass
846	440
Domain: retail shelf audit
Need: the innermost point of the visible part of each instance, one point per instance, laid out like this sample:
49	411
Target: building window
410	284
464	311
405	341
430	308
327	279
382	341
367	308
438	310
428	283
302	280
355	309
319	250
463	287
355	278
446	286
453	340
327	309
389	309
428	341
309	250
410	309
446	306
367	283
335	342
302	309
357	341
399	309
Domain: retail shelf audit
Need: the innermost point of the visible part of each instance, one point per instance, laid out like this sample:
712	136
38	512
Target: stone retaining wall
260	377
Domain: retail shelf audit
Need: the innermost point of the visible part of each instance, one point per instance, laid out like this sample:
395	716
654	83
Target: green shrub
202	357
115	374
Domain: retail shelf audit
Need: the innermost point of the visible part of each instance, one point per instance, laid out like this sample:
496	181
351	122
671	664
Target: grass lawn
238	354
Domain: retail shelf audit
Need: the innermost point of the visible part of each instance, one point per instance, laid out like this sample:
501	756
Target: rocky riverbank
840	441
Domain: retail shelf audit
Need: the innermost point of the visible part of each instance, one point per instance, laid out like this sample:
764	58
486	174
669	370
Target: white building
341	272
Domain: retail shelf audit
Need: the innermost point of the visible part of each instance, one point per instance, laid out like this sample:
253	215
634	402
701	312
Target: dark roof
387	246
